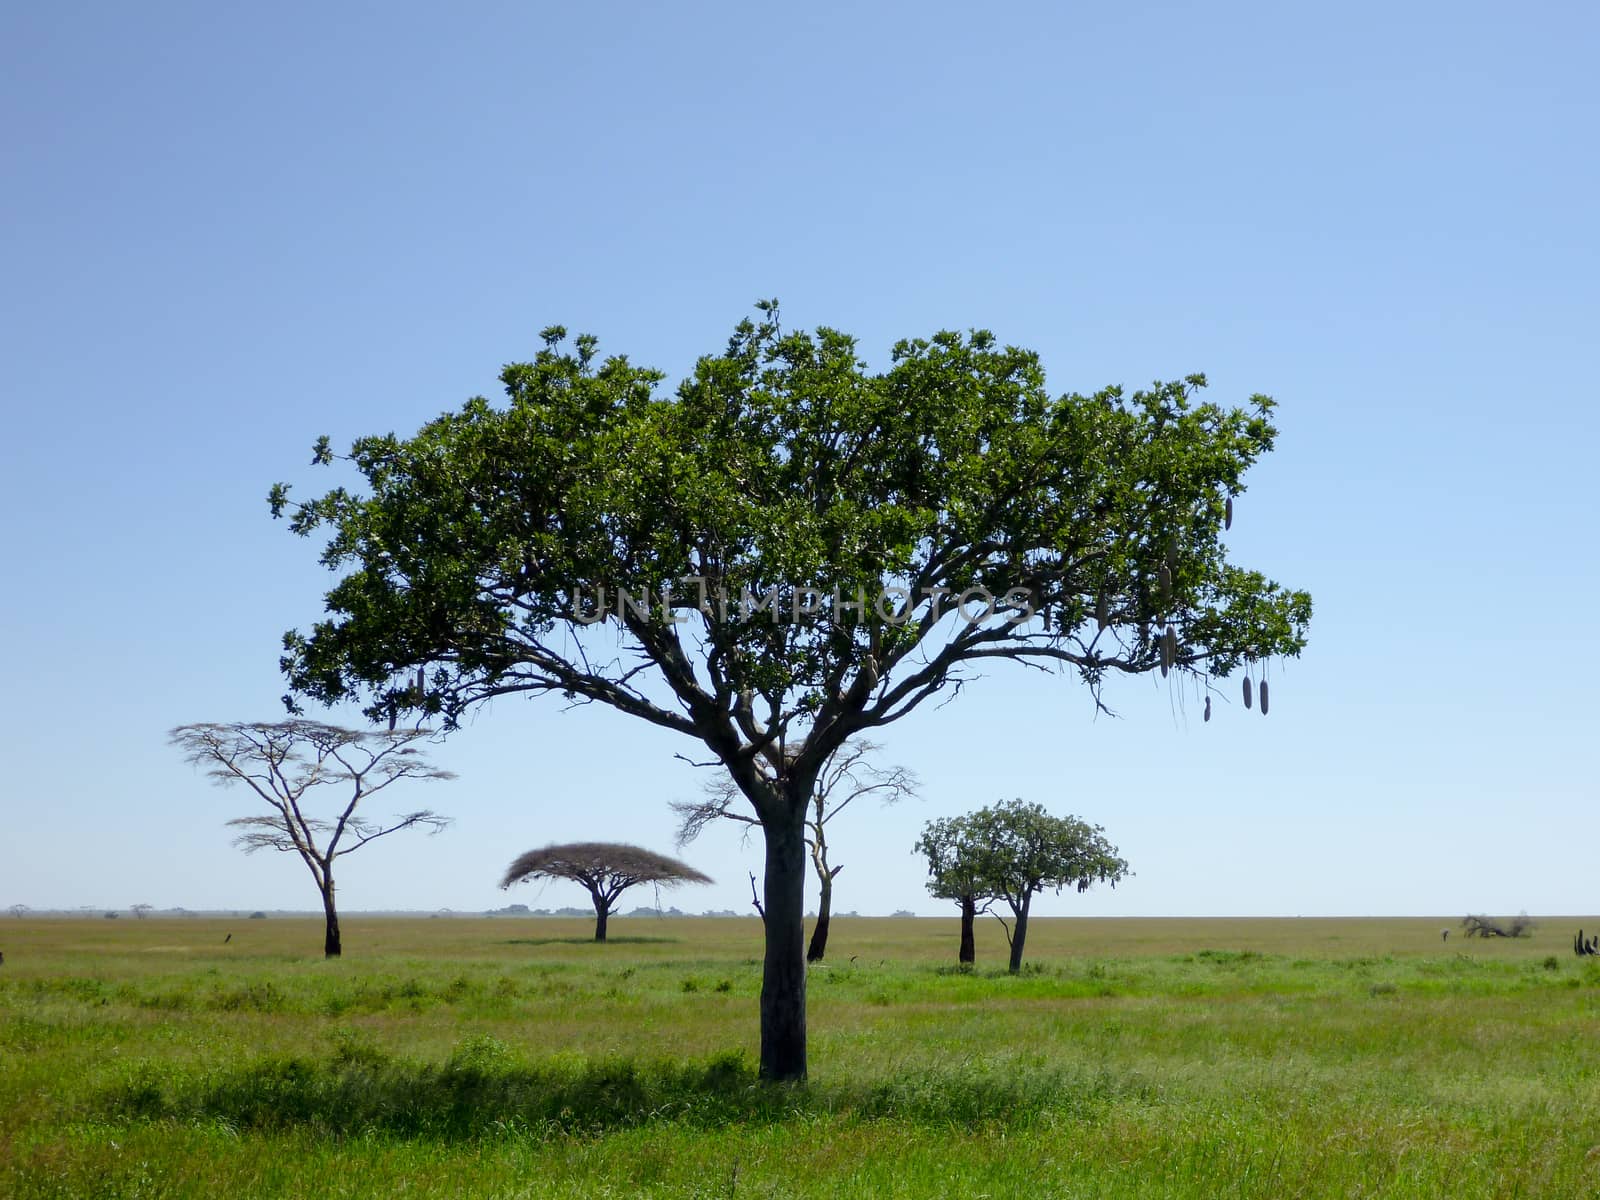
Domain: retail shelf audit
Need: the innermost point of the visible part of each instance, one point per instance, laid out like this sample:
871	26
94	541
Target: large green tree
792	534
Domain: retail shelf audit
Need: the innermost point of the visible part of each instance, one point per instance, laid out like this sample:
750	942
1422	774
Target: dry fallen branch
1486	927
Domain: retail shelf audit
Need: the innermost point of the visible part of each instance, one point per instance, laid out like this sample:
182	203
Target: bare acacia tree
847	775
281	762
20	910
141	911
607	869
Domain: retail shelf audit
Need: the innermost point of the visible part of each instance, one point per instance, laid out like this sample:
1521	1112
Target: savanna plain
516	1058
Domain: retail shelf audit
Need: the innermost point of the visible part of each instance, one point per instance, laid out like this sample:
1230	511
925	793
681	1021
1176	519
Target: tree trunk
1020	933
330	937
601	911
819	931
783	975
969	914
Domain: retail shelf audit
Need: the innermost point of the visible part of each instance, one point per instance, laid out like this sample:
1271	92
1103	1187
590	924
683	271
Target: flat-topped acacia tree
606	869
774	553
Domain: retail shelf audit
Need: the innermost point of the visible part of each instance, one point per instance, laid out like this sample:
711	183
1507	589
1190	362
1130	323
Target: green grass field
514	1058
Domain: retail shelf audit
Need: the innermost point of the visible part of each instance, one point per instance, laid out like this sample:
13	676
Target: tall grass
495	1058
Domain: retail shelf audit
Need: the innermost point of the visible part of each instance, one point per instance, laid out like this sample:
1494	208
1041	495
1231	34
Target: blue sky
229	230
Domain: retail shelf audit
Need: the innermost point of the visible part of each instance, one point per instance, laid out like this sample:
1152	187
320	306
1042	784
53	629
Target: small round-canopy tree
789	549
1009	852
953	873
1022	849
282	762
607	869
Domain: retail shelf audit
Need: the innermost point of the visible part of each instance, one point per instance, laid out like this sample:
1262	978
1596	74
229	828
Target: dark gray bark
783	976
1020	933
819	931
601	911
969	914
330	938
